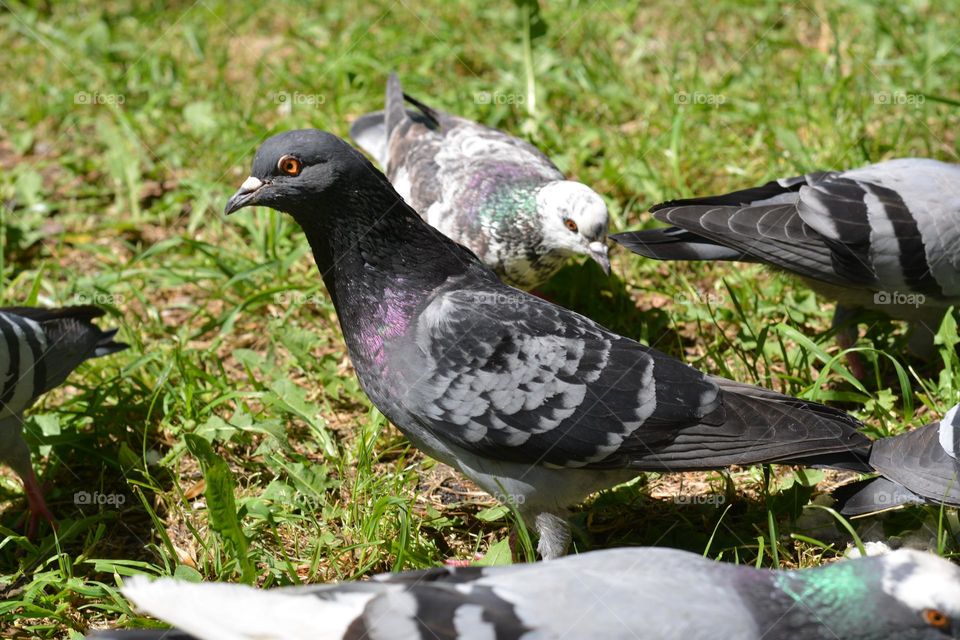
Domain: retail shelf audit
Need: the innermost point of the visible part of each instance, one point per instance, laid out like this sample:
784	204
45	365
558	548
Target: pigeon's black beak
598	251
246	195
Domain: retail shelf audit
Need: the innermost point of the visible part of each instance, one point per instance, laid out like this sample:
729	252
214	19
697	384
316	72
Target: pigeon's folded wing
895	221
515	378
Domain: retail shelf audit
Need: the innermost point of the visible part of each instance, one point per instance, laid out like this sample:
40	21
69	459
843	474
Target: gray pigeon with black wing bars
537	404
884	237
39	349
628	594
496	194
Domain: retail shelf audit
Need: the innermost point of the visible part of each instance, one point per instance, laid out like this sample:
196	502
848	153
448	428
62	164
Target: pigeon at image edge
885	237
629	594
39	349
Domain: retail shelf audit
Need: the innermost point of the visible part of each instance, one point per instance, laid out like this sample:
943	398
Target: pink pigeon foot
36	505
456	562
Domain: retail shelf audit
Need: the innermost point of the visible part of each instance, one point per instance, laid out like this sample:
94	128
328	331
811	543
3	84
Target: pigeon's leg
845	325
36	504
14	452
554	532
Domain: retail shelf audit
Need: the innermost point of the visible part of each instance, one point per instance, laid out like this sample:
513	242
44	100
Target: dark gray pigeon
495	194
538	405
633	594
40	348
917	467
884	237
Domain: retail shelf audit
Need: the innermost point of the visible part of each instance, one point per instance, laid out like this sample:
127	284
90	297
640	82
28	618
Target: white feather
934	582
221	611
948	432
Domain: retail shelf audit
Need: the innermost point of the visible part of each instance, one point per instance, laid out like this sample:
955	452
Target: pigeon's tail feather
913	467
107	345
221	610
395	112
783	429
81	312
774	191
432	115
759	426
872	495
369	131
673	243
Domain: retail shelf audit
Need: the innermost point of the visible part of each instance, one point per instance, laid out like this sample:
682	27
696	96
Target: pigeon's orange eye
570	224
289	165
936	618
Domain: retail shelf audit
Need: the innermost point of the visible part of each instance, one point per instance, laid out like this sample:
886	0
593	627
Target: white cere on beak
251	184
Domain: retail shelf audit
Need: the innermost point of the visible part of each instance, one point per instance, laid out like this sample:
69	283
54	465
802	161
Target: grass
233	441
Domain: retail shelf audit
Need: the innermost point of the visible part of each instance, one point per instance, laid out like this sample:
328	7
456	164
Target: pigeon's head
292	169
574	219
927	590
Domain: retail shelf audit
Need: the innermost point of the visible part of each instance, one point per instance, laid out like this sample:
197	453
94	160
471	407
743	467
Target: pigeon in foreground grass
917	467
634	594
884	237
538	405
495	194
39	349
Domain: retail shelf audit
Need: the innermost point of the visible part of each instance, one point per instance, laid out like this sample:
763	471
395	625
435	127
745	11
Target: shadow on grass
584	288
